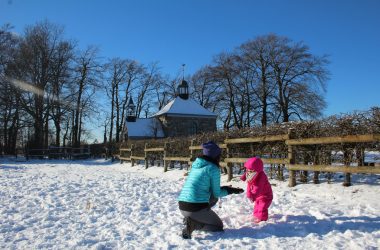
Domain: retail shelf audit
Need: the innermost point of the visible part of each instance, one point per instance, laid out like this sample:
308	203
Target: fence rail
285	152
258	139
59	153
335	139
336	169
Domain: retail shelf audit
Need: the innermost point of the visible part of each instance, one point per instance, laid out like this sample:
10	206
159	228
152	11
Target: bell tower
183	88
131	111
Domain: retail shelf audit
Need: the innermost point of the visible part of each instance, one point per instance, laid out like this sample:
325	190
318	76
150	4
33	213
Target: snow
144	127
179	106
97	204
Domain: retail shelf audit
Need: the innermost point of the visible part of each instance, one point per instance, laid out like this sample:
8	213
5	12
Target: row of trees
44	85
266	80
51	90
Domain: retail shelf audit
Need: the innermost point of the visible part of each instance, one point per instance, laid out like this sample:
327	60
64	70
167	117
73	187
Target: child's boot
256	220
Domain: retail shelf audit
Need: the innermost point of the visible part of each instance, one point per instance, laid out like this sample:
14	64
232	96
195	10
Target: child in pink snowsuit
259	189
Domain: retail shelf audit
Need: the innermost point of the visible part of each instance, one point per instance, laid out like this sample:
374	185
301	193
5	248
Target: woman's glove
232	190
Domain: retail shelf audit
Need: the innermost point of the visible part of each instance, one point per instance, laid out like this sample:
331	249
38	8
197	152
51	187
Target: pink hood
254	163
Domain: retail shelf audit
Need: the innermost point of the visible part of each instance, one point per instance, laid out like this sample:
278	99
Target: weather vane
183	71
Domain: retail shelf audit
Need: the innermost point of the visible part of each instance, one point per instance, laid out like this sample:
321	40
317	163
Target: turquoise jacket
202	181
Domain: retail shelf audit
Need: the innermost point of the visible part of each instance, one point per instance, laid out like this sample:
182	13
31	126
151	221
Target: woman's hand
232	190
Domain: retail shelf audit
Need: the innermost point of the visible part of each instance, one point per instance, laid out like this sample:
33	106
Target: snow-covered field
96	204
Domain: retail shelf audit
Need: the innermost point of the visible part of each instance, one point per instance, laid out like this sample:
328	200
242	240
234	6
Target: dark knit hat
211	150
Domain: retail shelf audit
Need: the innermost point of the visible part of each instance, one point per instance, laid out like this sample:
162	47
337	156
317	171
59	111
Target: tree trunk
78	111
264	119
72	129
58	132
117	136
38	123
80	128
13	130
112	115
46	129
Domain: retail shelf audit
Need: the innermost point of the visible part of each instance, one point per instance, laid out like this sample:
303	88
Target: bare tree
154	128
254	56
150	78
205	89
123	76
300	78
10	117
164	90
226	73
88	72
33	69
268	79
61	74
9	95
116	70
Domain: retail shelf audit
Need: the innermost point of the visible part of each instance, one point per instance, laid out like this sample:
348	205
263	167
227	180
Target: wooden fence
59	153
298	156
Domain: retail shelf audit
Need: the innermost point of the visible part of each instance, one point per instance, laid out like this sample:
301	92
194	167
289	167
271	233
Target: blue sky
173	32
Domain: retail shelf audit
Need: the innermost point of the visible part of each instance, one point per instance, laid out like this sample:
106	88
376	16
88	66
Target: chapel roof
181	107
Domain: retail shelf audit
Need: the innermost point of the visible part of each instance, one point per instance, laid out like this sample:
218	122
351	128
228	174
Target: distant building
180	117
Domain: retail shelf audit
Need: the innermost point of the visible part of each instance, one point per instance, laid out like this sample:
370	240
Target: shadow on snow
301	226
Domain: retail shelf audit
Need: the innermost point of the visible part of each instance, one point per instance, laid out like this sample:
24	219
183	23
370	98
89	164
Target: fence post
192	156
303	173
328	161
121	155
280	171
360	155
146	156
165	155
347	161
292	173
132	160
271	167
316	161
229	164
191	150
